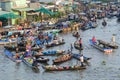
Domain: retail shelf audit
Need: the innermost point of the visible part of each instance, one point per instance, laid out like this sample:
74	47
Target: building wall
6	6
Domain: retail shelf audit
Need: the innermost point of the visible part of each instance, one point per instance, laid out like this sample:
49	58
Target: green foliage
42	3
50	3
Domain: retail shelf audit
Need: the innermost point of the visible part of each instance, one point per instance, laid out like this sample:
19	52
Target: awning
3	12
23	9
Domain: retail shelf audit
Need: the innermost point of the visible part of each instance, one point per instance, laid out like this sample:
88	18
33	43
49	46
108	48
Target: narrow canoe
42	59
50	53
29	62
63	68
13	48
77	56
102	48
76	35
62	58
77	46
10	55
114	46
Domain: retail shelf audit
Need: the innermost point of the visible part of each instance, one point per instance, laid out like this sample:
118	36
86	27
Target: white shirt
81	59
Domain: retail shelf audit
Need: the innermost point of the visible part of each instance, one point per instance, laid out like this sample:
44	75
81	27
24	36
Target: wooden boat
63	68
54	31
85	28
57	43
29	62
6	41
62	58
77	56
76	35
42	59
10	55
104	23
114	46
101	47
77	46
94	25
52	52
13	48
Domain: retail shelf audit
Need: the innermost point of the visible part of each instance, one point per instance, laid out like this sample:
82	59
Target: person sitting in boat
17	56
69	52
77	33
94	39
80	42
27	53
82	60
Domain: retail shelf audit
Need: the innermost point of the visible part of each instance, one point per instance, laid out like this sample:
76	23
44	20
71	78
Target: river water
95	71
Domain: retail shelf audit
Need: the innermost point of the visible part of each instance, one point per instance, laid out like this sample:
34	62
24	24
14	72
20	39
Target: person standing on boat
94	39
71	47
82	60
104	23
80	43
113	39
0	36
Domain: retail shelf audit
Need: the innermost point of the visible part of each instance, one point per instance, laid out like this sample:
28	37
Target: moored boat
13	48
51	52
42	59
77	56
101	47
62	58
6	41
55	43
63	68
29	62
75	34
77	46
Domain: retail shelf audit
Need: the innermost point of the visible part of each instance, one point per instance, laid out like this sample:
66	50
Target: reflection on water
95	71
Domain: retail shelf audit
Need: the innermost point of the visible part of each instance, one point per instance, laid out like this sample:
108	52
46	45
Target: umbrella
44	10
10	16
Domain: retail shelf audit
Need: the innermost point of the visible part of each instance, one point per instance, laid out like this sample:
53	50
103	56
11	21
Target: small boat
6	41
42	59
85	28
77	56
57	43
48	53
10	55
114	46
104	23
54	31
101	47
63	68
62	58
77	46
13	48
76	35
29	62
